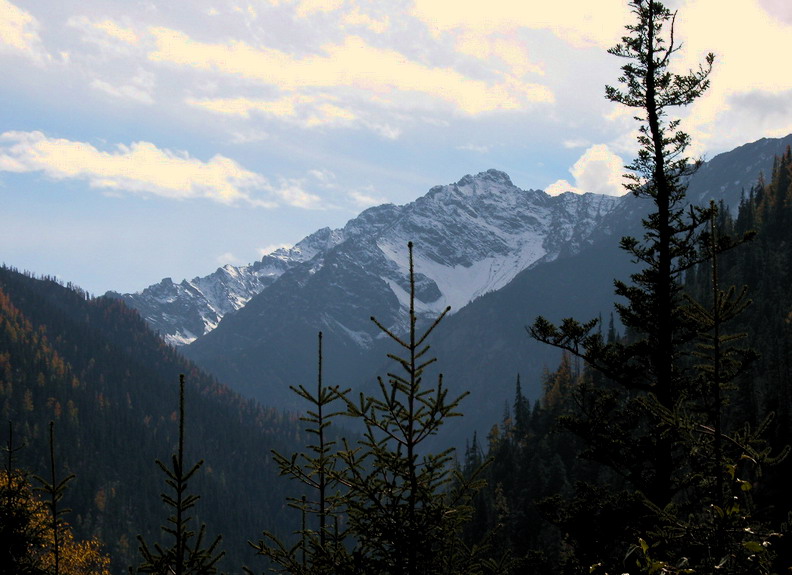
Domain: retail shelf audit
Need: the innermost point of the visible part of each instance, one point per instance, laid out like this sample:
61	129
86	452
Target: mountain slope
110	385
185	311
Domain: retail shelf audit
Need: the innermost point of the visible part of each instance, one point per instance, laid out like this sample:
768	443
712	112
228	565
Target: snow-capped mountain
182	312
474	237
471	237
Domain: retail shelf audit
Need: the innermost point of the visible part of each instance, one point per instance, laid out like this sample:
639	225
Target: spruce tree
55	490
187	554
651	363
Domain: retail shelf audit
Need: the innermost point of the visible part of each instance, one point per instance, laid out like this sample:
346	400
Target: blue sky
150	139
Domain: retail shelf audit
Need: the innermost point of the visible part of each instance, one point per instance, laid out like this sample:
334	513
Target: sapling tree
188	553
405	505
320	546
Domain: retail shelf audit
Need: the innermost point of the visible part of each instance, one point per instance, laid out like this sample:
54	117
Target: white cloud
781	9
293	192
310	7
598	171
19	32
481	149
356	18
745	66
576	143
138	88
307	111
139	168
117	32
228	258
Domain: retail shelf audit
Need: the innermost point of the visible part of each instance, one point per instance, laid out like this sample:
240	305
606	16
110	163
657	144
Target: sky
143	139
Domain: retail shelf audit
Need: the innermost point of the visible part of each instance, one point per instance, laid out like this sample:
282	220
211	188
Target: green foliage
183	556
55	489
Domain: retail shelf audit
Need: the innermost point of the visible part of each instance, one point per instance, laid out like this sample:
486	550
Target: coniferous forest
659	445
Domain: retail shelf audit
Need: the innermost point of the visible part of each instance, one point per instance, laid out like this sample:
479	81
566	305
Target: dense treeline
110	386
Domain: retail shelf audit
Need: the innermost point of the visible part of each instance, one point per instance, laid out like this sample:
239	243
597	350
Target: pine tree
34	538
55	490
382	504
187	554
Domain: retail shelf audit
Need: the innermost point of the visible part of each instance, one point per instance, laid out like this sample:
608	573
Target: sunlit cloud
19	32
228	258
139	88
118	32
490	47
266	250
599	170
746	65
138	168
293	193
306	110
383	74
581	24
356	18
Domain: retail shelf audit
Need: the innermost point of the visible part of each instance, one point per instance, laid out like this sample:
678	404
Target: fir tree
55	490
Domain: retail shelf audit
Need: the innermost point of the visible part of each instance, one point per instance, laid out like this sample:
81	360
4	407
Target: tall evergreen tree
55	490
647	427
652	362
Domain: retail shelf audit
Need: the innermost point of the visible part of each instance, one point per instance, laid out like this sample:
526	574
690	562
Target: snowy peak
476	235
472	237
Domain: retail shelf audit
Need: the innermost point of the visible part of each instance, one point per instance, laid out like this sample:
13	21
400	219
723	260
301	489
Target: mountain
182	312
472	237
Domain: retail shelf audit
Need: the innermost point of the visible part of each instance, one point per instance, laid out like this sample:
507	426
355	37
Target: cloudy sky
141	139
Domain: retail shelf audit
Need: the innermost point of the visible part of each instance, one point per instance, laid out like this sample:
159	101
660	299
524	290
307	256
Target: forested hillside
551	495
111	388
